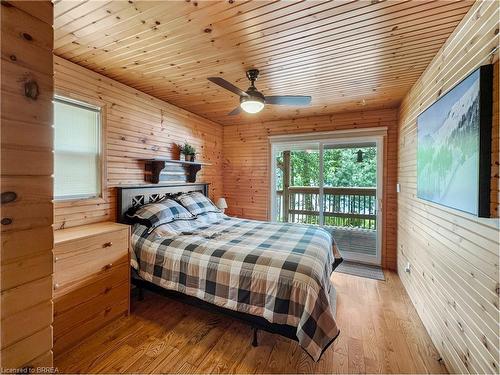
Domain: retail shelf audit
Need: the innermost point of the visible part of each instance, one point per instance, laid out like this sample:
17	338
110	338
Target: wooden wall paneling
247	157
32	350
26	168
454	256
25	322
23	270
33	203
43	10
138	126
33	293
168	50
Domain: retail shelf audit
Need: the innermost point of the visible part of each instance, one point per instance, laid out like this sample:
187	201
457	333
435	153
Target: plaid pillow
165	211
197	203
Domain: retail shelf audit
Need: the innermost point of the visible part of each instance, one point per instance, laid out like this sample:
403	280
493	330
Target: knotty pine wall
247	157
454	256
26	170
138	126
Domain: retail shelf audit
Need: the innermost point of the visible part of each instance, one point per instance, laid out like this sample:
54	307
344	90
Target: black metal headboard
136	196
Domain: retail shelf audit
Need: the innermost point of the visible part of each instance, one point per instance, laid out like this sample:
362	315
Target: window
77	150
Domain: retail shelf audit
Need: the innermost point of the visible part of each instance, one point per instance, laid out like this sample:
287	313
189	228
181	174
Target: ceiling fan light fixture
252	100
252	104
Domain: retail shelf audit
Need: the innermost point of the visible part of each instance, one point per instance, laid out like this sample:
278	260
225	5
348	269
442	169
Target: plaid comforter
274	270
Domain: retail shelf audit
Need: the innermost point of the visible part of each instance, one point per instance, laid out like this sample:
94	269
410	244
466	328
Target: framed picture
454	146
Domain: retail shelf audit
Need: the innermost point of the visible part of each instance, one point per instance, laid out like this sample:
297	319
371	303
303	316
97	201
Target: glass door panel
350	198
297	180
304	186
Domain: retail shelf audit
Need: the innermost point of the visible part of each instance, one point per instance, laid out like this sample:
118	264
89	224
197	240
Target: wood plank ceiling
348	55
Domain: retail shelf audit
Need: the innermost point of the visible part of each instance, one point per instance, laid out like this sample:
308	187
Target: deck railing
343	207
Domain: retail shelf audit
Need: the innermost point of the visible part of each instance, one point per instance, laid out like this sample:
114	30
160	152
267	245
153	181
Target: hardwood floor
380	333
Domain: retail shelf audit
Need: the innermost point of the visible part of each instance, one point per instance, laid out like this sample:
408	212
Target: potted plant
188	151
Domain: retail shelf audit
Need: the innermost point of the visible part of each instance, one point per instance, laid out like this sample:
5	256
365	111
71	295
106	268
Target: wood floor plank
234	345
356	356
163	360
255	359
380	333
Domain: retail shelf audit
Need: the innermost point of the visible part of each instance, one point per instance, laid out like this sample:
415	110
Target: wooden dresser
91	280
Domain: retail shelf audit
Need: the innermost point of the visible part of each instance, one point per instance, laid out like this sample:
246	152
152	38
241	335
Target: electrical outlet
408	267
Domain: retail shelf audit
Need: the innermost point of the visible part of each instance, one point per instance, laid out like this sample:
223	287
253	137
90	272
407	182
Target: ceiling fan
252	100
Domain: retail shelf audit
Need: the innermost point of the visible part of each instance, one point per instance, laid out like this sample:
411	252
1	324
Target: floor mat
361	270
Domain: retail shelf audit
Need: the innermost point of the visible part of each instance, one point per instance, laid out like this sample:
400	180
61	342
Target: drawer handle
108	309
108	244
56	259
107	290
56	286
107	266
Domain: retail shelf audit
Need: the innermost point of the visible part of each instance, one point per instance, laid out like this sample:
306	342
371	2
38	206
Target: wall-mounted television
454	146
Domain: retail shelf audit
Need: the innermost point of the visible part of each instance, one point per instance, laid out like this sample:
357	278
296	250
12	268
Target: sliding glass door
335	184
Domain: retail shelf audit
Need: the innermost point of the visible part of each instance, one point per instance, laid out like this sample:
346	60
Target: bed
276	276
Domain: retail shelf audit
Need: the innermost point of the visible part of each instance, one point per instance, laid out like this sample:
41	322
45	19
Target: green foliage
187	149
304	168
341	168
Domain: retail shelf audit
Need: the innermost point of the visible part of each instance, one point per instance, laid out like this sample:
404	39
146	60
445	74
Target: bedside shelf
157	171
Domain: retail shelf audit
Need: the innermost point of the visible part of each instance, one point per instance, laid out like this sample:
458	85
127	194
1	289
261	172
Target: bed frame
131	197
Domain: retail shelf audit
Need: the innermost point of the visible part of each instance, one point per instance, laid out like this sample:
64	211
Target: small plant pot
189	157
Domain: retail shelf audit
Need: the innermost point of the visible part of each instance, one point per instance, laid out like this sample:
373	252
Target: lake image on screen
448	148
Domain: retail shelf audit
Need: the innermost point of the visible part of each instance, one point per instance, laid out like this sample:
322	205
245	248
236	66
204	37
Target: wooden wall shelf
157	170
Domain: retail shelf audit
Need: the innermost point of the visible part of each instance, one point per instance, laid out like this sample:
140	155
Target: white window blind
77	150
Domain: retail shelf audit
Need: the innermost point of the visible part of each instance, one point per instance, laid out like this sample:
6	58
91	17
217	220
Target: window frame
100	105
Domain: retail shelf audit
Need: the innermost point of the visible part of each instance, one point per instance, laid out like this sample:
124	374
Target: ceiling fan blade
288	100
235	111
227	85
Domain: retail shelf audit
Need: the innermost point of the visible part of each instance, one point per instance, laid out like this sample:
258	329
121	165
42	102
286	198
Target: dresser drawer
88	289
72	279
83	258
69	320
70	338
